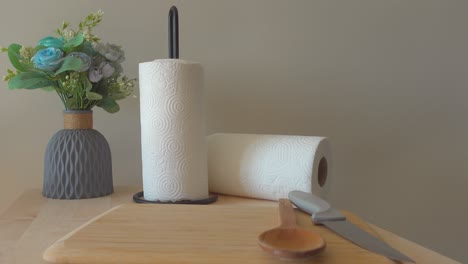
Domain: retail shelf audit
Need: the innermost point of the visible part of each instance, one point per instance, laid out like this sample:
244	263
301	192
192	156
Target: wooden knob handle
287	215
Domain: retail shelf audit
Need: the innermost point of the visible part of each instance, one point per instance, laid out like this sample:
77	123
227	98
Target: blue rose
51	42
48	59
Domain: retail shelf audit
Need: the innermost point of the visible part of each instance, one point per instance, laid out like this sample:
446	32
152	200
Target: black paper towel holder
173	37
173	31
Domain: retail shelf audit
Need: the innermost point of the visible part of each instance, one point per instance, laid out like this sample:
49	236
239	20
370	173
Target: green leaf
87	85
40	47
70	64
109	104
118	96
93	96
45	84
13	55
44	74
30	80
74	42
48	88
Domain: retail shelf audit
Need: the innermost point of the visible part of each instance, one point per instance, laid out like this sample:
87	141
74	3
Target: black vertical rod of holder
173	33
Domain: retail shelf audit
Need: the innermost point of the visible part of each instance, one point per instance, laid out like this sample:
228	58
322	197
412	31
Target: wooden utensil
288	240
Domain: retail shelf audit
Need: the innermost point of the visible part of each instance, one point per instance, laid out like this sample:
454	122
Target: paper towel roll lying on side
268	166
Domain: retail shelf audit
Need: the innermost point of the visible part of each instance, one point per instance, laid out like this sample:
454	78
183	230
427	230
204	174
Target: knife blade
323	214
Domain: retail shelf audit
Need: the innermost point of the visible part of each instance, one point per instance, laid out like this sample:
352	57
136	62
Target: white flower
87	35
68	34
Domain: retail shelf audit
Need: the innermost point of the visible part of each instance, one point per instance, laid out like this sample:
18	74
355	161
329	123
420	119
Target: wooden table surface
32	223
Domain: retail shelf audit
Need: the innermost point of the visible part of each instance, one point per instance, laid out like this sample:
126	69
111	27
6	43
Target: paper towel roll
268	166
172	130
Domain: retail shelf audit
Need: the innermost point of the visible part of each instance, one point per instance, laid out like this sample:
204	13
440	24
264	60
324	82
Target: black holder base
139	198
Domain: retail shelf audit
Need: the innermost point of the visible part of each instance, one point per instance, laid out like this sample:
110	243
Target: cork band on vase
74	119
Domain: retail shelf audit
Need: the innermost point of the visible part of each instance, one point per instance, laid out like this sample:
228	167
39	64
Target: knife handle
308	202
318	208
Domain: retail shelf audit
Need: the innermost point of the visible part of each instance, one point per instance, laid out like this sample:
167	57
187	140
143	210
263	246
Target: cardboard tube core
78	119
322	171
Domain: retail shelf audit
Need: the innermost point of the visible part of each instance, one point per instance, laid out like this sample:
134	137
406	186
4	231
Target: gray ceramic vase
77	162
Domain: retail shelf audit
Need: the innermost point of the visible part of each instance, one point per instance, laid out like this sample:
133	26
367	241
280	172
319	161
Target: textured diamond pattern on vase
77	165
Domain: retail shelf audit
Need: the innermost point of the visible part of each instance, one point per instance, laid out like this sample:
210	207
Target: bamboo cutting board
142	233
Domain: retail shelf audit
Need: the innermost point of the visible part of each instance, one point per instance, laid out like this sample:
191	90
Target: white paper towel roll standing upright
172	130
268	166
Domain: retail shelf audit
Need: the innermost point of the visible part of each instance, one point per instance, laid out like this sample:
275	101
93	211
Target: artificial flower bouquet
83	71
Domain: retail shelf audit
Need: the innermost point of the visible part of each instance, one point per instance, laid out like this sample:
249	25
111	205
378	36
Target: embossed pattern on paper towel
279	158
265	166
168	112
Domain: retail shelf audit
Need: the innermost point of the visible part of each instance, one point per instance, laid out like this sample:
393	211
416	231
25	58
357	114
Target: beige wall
385	80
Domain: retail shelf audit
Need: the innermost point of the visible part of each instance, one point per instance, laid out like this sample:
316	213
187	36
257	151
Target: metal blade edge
365	240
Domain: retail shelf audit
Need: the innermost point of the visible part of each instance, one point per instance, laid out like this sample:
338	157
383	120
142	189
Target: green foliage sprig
83	72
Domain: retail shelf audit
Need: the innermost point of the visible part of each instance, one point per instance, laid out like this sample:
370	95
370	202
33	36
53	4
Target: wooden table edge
28	205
